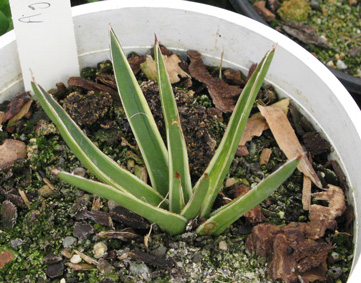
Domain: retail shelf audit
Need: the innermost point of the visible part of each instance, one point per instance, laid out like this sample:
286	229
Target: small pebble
341	65
55	270
79	171
69	241
82	231
99	250
138	268
16	243
330	64
45	191
75	259
222	246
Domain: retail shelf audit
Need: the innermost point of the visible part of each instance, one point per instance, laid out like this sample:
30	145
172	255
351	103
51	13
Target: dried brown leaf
135	61
254	128
16	105
23	111
265	156
175	72
223	95
287	140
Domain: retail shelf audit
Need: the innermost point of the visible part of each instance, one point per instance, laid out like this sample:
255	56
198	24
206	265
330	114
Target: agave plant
170	201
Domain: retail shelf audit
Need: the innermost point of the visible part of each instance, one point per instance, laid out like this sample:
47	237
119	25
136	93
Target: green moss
294	10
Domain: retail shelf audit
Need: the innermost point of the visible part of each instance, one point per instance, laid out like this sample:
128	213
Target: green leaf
222	218
103	167
180	188
4	23
219	165
193	206
168	221
140	118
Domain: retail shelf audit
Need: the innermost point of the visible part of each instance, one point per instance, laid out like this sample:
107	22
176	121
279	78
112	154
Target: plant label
46	41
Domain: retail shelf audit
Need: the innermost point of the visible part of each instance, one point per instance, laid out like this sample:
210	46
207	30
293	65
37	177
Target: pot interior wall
183	26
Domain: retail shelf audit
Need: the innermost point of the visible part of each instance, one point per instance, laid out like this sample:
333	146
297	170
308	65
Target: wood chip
265	156
306	192
89	85
224	96
261	9
287	140
10	151
86	258
324	217
124	234
25	198
80	266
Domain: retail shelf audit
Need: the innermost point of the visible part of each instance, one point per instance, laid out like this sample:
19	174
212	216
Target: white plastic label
46	41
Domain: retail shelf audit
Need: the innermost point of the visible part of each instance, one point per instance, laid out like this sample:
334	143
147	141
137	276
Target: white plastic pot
182	25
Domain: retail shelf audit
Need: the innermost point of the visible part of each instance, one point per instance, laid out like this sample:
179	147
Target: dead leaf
224	96
254	128
234	76
16	105
135	61
175	72
256	124
23	111
306	192
261	9
10	151
287	140
265	156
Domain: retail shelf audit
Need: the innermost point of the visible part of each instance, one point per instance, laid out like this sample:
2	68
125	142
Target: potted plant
288	74
351	82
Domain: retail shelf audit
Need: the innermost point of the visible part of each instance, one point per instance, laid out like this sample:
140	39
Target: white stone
341	64
99	250
223	245
75	259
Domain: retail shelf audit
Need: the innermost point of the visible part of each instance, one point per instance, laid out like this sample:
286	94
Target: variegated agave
170	201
